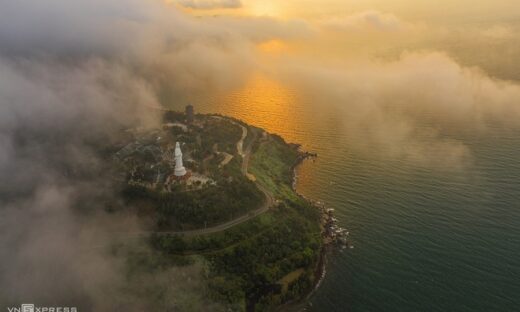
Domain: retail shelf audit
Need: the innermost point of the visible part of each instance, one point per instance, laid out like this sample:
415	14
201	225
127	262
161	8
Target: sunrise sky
357	56
445	10
468	32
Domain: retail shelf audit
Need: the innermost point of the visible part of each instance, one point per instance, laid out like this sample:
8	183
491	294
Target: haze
72	72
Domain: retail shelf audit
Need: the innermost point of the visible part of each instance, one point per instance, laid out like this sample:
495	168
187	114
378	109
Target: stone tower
190	113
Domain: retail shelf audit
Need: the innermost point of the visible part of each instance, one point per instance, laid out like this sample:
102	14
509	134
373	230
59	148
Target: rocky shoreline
333	236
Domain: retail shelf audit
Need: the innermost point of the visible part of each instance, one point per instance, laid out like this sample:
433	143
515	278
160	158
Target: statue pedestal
180	172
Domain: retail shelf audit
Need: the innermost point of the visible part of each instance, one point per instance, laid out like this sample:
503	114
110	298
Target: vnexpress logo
29	307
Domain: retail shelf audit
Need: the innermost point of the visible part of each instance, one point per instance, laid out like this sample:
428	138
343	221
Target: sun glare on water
263	102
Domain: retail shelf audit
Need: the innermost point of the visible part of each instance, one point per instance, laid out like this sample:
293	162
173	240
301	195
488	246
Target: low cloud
53	119
210	4
499	32
261	29
412	108
366	21
176	53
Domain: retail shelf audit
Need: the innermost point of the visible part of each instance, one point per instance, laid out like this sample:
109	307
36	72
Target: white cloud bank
366	21
210	4
411	108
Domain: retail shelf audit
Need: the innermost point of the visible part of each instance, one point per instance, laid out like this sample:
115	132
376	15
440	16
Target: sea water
425	237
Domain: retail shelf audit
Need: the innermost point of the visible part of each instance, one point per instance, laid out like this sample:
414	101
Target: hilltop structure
180	171
190	114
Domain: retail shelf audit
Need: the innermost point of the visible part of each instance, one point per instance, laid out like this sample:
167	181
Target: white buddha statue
180	171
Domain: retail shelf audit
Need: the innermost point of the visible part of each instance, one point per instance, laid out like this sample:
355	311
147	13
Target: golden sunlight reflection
262	102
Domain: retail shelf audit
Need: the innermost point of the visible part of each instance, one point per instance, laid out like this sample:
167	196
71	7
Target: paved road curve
269	202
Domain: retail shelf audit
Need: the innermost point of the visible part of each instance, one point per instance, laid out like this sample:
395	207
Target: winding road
269	202
269	198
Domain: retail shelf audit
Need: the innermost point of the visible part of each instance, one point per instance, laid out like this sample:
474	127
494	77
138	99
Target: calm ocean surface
425	239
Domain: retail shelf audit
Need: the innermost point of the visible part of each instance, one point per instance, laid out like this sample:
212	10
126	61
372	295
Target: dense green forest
269	260
248	262
213	205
